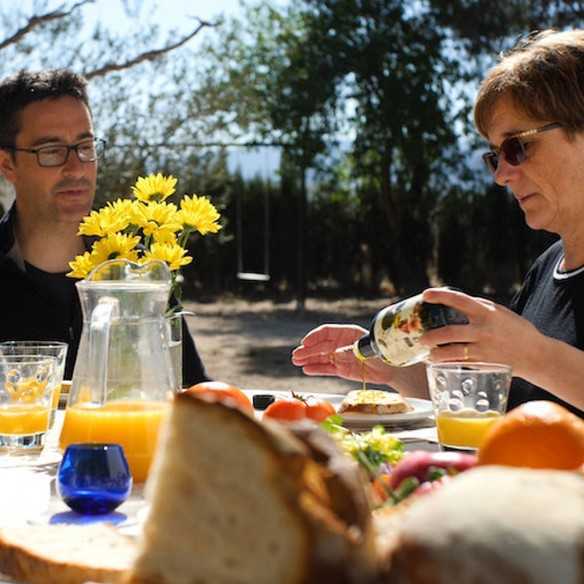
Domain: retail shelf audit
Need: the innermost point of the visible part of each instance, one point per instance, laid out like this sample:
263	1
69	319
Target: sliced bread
235	500
65	554
490	525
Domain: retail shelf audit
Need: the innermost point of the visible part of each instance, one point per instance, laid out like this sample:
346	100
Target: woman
530	107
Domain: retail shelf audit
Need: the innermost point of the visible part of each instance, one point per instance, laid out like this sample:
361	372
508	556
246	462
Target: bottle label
396	331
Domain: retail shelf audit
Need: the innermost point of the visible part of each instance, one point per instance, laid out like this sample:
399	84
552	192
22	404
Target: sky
179	15
170	15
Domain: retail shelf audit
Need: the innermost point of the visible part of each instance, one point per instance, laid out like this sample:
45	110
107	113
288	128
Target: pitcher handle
99	336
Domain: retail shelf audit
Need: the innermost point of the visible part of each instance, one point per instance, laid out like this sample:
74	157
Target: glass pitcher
123	375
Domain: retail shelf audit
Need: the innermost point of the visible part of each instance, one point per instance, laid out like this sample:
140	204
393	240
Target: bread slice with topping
235	500
373	401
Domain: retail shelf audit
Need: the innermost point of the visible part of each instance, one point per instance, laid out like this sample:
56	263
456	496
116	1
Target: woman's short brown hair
543	75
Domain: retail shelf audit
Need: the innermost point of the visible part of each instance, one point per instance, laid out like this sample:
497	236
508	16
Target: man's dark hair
26	87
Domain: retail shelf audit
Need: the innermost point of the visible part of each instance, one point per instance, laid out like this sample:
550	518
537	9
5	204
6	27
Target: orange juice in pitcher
123	374
132	424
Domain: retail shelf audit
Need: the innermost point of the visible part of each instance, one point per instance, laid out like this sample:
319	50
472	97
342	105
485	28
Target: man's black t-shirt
58	286
554	302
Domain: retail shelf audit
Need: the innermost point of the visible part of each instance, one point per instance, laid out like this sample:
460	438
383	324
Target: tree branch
37	20
151	55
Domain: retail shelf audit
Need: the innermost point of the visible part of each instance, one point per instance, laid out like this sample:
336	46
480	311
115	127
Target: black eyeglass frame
99	148
491	158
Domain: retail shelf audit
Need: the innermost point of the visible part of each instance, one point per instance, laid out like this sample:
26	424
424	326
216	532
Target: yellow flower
116	245
174	255
110	219
159	220
199	214
154	187
81	265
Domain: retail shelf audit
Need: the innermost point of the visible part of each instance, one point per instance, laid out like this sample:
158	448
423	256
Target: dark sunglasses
513	148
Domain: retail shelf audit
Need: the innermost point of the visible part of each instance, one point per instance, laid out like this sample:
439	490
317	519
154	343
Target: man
49	152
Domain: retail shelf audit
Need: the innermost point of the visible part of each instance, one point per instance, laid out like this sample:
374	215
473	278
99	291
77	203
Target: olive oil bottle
396	329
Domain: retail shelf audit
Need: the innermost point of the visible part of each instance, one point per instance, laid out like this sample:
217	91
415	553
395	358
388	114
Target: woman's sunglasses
513	149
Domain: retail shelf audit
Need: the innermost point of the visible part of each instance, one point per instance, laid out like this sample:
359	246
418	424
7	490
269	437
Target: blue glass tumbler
94	478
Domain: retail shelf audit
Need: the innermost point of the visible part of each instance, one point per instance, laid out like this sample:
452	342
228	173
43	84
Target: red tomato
319	409
222	392
380	489
286	409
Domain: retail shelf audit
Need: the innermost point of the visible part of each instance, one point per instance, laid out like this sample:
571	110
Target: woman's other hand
328	350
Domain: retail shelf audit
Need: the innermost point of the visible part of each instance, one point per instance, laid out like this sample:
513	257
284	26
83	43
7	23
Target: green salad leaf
370	449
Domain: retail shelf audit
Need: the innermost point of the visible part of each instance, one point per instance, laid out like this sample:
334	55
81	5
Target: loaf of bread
235	500
490	525
373	401
65	554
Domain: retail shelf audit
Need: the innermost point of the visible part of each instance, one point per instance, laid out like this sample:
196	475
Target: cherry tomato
319	409
286	409
223	392
380	489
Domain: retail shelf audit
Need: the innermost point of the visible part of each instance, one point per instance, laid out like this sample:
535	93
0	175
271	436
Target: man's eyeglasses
513	148
58	154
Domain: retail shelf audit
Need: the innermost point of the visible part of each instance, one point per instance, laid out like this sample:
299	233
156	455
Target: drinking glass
55	349
467	398
27	383
94	478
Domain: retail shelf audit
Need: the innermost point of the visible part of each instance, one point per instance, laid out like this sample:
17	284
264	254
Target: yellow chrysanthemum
174	255
200	214
116	245
154	187
158	220
81	265
112	218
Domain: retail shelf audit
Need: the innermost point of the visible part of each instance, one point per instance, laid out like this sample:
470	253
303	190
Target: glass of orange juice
56	349
27	385
467	398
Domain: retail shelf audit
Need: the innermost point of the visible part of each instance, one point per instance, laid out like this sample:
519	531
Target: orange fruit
537	434
222	392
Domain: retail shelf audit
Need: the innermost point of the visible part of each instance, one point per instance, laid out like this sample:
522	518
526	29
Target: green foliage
369	102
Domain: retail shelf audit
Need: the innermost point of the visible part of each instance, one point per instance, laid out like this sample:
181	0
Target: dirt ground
249	343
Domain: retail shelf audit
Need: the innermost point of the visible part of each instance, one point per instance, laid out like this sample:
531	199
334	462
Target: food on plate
319	409
234	499
421	472
220	391
376	452
373	401
65	554
286	409
298	407
537	434
490	524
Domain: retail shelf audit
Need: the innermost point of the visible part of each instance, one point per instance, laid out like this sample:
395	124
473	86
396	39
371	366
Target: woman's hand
328	350
494	334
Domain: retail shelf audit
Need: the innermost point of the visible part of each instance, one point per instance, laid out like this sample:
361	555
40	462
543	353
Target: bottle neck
364	348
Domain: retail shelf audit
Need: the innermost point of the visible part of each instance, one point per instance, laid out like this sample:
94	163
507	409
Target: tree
135	116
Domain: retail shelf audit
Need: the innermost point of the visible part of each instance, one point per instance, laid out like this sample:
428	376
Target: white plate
422	410
334	398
